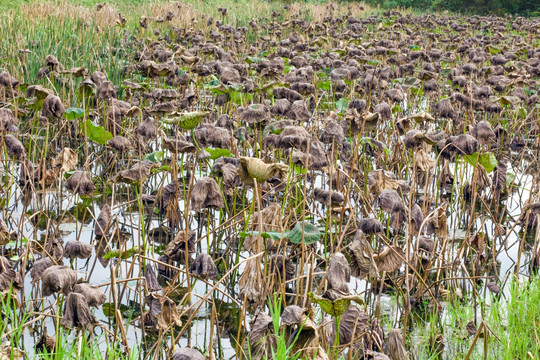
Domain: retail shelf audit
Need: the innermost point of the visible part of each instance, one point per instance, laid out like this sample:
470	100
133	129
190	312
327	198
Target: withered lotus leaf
361	254
105	90
282	92
177	145
136	174
423	162
267	219
225	121
530	214
146	129
120	144
390	258
471	328
5	235
390	201
206	194
54	247
338	273
203	267
39	267
76	71
171	193
437	223
187	354
154	69
332	133
281	107
282	267
493	287
9	278
46	343
370	226
261	339
352	325
38	91
230	178
327	197
254	114
175	250
103	221
483	132
53	107
80	183
379	180
463	144
292	315
86	88
8	81
151	279
58	278
7	119
77	249
395	346
251	169
77	313
251	283
214	136
374	355
94	296
66	160
15	147
27	173
499	177
52	62
164	311
298	111
299	322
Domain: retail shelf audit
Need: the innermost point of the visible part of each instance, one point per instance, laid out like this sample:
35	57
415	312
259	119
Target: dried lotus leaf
206	194
77	249
251	169
203	267
66	160
389	259
77	313
58	278
93	295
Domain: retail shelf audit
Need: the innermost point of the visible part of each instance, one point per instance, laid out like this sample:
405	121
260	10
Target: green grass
79	35
15	330
512	325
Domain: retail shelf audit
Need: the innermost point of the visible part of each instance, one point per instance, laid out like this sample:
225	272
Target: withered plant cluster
324	166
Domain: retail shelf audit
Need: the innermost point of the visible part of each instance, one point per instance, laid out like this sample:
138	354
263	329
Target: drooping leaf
187	120
125	254
74	113
488	161
311	233
493	50
218	152
155	156
97	133
336	307
341	104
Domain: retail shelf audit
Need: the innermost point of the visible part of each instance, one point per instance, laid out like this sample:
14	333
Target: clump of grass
507	326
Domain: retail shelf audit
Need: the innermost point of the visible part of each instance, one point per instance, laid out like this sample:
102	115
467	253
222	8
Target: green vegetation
483	7
498	327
